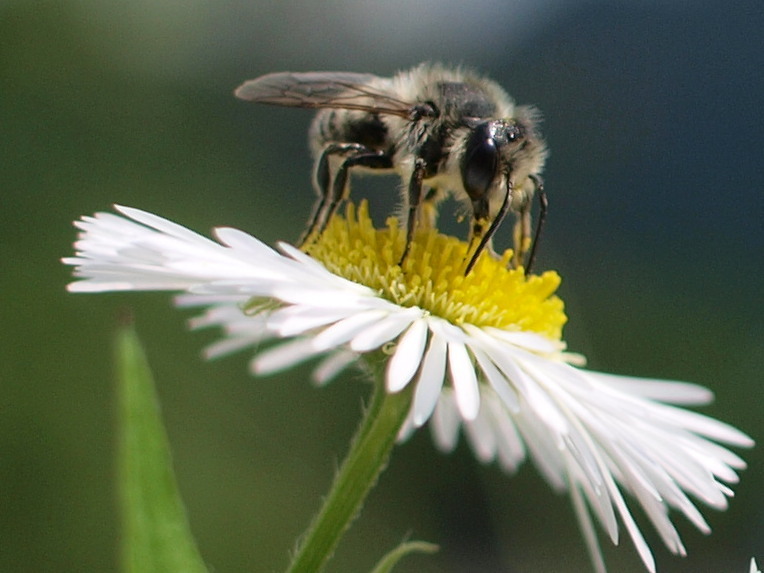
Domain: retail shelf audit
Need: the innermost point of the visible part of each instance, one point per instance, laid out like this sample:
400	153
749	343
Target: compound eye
480	162
513	132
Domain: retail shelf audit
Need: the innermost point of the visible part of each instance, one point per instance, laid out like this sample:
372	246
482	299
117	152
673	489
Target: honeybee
442	130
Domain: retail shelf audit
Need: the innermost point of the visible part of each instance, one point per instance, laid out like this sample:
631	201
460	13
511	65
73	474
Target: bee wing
343	90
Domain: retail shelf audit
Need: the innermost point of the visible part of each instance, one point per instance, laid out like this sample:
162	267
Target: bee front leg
521	235
480	213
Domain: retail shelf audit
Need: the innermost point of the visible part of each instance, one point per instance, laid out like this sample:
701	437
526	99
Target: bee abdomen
343	126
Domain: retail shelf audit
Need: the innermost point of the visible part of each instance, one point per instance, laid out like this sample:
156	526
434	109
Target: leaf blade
156	536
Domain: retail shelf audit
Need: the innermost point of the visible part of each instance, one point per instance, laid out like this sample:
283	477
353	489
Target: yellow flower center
432	276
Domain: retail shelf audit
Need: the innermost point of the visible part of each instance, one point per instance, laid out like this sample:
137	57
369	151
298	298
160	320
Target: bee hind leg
332	193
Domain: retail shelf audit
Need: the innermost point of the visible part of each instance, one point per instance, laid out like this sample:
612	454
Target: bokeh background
653	113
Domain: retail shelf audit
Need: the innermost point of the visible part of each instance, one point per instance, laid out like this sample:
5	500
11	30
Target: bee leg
415	192
340	190
480	212
428	212
480	209
521	235
543	206
321	179
330	195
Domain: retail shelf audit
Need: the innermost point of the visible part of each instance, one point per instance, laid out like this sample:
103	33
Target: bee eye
480	162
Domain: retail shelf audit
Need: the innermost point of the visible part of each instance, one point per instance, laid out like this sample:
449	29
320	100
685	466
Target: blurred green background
653	115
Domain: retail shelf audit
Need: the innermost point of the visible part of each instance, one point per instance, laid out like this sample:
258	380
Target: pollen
432	275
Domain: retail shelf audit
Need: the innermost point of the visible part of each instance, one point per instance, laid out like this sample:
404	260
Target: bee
444	131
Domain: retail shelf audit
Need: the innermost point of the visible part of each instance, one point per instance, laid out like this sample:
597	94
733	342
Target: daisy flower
482	354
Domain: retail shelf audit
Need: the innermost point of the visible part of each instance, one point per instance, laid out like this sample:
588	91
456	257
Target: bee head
488	153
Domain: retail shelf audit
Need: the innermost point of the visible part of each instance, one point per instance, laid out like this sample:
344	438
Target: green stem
368	456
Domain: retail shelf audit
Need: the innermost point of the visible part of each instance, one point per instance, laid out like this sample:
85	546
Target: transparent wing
341	90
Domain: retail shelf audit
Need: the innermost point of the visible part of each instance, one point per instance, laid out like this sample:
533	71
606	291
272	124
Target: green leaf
389	561
155	533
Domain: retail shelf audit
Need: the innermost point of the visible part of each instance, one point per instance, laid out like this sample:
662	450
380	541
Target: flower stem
368	456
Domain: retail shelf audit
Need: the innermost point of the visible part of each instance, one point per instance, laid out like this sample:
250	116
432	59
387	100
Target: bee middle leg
333	190
428	211
416	192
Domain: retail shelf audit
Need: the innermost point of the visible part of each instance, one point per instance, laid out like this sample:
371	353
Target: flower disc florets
432	276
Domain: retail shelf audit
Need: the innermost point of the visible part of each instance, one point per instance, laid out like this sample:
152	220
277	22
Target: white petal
407	428
241	330
660	390
333	365
445	422
517	366
226	346
430	379
305	259
596	494
482	439
282	356
510	447
705	426
321	296
528	341
587	528
245	245
93	286
497	380
636	535
151	253
344	330
293	320
407	357
329	280
463	380
543	447
163	225
192	300
384	331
